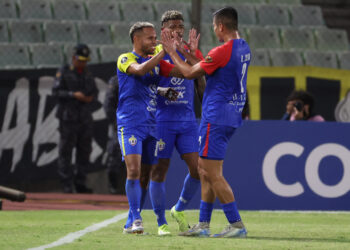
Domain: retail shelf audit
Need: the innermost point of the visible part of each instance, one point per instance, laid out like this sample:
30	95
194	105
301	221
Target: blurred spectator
300	106
75	89
115	167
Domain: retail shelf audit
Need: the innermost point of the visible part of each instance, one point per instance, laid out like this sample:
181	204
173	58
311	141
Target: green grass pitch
266	230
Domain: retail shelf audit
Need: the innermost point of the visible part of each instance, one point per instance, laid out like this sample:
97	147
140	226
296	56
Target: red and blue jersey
224	97
183	108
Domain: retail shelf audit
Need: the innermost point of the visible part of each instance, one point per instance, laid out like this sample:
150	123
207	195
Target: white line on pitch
76	235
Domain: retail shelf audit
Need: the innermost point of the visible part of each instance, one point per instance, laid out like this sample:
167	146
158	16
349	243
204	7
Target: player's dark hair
228	17
138	26
171	15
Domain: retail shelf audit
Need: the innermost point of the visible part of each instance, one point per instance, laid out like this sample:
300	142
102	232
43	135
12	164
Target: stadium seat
26	32
95	33
161	7
68	10
121	33
286	58
61	32
103	11
297	38
246	14
14	56
344	60
208	10
295	2
260	57
110	53
133	11
320	59
7	9
228	2
207	35
306	15
94	55
331	39
4	34
273	15
205	49
34	9
46	56
262	38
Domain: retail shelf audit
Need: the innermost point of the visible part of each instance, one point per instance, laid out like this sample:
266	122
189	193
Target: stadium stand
110	53
68	10
285	58
4	34
46	56
260	38
207	35
344	60
34	9
208	10
331	39
26	32
161	7
289	2
95	33
320	59
60	32
94	55
260	57
306	15
121	33
297	38
14	56
103	11
273	15
144	12
246	14
7	9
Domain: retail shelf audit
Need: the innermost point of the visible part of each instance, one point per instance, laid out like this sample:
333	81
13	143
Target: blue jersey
183	108
225	93
137	94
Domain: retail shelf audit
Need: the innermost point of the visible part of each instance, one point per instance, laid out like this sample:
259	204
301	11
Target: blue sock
188	190
143	197
129	221
157	192
205	211
231	212
133	192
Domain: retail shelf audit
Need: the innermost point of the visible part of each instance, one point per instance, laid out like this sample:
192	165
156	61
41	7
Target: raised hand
169	43
193	40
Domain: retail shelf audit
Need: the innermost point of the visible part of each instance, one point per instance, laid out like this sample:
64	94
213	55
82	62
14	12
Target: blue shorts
138	140
182	135
213	140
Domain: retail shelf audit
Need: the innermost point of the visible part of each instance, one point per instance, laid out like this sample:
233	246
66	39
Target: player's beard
148	49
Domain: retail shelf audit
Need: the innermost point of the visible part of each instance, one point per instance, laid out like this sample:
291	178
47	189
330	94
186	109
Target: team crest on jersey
132	140
208	59
124	59
161	145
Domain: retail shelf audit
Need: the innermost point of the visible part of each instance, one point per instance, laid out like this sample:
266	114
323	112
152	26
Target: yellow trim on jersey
158	49
125	60
123	146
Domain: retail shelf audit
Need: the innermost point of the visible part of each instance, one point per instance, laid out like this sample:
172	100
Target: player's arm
187	71
143	68
60	88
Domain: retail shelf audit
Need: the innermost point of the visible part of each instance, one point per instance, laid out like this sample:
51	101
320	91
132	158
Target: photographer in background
300	106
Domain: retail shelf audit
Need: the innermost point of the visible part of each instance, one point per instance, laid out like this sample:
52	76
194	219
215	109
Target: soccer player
176	127
138	75
224	98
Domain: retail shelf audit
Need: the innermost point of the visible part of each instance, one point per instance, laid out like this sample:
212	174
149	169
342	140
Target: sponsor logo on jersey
208	59
176	81
124	60
161	145
132	140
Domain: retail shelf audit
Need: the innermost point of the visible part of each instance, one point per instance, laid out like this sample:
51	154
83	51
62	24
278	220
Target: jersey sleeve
165	68
158	49
217	58
199	54
125	60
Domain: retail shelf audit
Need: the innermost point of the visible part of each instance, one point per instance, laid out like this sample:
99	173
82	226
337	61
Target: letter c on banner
312	167
269	169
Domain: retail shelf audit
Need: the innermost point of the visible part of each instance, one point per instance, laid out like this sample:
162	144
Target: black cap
82	52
